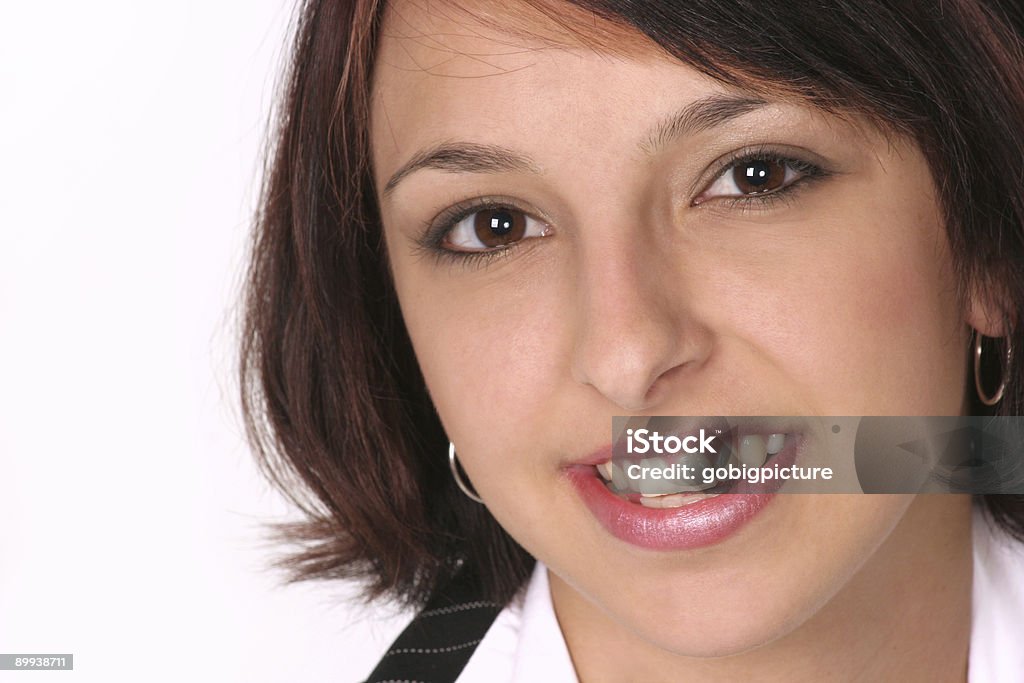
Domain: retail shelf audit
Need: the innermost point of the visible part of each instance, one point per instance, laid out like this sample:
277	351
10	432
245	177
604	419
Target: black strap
437	643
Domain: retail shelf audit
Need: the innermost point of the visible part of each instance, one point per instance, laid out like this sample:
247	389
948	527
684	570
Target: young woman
488	228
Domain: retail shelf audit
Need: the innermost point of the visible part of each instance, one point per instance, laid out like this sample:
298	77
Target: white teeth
649	485
697	461
675	500
619	479
677	484
668	490
752	451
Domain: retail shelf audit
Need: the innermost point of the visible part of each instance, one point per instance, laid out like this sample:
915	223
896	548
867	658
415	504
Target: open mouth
678	503
682	479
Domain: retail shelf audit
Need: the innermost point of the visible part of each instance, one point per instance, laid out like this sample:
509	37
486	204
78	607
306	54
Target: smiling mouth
637	479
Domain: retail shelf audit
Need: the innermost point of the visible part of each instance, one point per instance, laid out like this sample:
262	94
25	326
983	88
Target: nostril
633	358
661	381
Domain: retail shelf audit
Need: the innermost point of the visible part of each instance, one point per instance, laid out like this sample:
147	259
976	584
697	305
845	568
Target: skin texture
648	294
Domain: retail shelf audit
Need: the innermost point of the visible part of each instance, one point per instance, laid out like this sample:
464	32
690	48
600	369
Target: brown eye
499	227
492	229
759	175
754	176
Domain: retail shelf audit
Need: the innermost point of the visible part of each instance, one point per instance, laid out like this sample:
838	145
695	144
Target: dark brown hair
335	404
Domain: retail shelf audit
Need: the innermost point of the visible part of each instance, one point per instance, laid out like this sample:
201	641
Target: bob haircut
334	402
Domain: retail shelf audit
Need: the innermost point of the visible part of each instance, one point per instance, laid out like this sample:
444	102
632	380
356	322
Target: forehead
491	73
461	28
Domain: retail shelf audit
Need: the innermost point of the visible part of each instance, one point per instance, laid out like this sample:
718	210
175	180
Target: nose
635	335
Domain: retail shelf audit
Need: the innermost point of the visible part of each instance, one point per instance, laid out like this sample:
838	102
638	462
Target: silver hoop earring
998	396
454	465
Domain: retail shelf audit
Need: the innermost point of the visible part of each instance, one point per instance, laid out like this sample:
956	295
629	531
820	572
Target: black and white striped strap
438	642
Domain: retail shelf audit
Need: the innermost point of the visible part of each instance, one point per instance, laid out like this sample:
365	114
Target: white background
130	507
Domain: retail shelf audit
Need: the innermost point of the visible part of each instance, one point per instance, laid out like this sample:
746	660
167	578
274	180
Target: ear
987	311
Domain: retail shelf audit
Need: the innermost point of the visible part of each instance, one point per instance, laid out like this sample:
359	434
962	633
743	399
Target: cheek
490	357
868	323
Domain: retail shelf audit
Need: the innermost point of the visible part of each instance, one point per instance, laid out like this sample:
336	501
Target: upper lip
602	454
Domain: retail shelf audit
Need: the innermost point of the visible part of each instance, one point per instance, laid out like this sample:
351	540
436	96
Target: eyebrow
464	157
468	157
698	116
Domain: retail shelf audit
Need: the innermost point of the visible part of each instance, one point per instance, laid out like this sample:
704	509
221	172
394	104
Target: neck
904	615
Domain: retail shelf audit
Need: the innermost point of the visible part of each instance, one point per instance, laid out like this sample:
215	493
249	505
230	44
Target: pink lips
699	524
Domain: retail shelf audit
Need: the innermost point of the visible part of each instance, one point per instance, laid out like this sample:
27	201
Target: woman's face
647	241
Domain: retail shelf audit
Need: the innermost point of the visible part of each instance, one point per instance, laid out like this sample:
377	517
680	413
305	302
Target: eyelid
813	165
435	230
431	240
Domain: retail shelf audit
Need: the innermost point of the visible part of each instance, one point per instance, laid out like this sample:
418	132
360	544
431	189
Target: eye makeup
800	169
764	177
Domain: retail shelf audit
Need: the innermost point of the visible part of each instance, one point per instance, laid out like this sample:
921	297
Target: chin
719	632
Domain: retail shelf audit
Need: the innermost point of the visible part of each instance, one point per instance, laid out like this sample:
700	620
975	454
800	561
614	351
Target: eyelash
432	240
809	173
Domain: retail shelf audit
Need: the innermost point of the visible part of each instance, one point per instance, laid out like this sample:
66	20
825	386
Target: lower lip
697	525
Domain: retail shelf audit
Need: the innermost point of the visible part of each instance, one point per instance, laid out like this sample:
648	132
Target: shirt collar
542	654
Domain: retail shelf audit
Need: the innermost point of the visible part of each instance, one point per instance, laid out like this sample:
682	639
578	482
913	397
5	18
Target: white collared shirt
525	643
